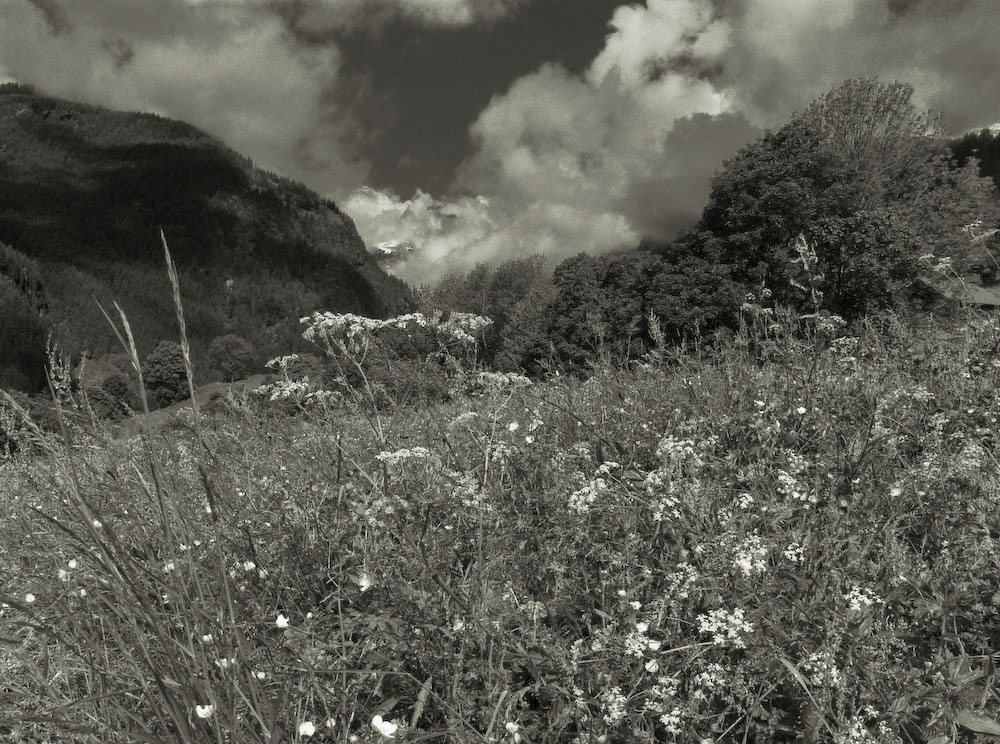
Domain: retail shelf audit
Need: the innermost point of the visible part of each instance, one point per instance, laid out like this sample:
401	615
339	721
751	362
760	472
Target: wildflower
512	729
225	663
794	552
169	567
652	666
614	705
63	574
654	645
529	439
751	556
260	675
207	638
204	711
249	565
29	598
83	592
97	524
365	582
385	728
513	426
281	621
642	627
72	563
306	728
859	598
725	627
801	410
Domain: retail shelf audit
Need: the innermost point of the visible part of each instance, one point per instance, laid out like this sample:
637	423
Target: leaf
977	722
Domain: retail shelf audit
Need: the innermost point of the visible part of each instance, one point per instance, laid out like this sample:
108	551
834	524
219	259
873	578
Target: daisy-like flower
306	728
72	563
29	598
385	728
204	711
281	621
512	729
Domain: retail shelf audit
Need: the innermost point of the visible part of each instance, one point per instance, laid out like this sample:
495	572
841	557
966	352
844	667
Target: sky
481	130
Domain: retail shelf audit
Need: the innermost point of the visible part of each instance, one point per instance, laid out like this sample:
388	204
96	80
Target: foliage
233	356
862	177
84	192
982	146
164	374
501	293
793	539
23	328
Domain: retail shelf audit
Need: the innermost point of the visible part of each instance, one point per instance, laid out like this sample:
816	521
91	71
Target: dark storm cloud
53	14
120	50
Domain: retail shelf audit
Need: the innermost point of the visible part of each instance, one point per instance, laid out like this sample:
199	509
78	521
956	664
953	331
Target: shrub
164	374
232	356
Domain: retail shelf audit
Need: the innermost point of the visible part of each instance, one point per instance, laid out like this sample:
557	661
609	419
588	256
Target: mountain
85	191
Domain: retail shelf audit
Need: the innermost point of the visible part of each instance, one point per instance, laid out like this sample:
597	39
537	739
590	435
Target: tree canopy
867	181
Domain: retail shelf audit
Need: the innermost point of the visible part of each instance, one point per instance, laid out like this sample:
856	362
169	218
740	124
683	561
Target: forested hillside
84	193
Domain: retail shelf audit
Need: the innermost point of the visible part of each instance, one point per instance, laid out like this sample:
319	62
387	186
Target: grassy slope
792	538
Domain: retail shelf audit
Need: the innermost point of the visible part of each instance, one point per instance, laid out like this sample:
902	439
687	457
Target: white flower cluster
680	582
821	669
614	705
859	598
789	482
396	457
750	556
726	628
353	332
794	552
677	453
581	500
501	380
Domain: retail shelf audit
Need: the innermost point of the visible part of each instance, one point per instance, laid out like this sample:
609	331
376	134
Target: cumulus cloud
596	161
231	70
318	17
560	161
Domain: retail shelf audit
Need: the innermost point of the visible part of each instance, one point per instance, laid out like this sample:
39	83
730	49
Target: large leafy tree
865	178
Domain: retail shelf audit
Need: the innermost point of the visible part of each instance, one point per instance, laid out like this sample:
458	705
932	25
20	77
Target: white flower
365	582
513	426
249	565
652	666
63	574
654	645
281	621
169	567
29	598
207	638
801	410
83	592
385	728
97	524
204	711
512	729
72	563
306	728
260	675
642	627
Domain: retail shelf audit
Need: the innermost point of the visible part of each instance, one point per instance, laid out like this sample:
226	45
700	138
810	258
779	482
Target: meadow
787	535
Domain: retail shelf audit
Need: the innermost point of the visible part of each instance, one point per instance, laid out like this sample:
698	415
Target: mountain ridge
84	192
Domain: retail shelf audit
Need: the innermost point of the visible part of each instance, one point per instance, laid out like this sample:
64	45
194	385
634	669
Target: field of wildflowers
789	536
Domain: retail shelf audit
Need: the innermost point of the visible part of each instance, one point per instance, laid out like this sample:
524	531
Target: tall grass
788	537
